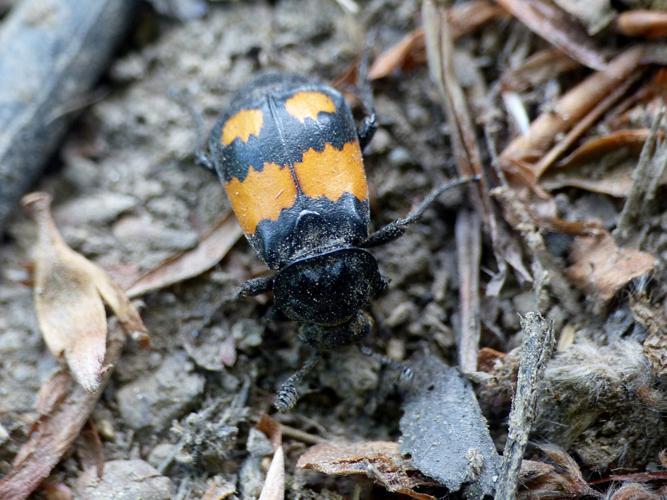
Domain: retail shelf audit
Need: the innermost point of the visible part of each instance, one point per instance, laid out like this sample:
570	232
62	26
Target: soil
128	195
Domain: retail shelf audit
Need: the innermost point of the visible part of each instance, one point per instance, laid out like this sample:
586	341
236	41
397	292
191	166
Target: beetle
289	154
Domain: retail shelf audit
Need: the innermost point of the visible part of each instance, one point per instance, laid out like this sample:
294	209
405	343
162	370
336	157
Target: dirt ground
127	195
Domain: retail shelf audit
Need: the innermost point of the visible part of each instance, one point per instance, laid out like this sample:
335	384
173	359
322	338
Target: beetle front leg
396	229
255	286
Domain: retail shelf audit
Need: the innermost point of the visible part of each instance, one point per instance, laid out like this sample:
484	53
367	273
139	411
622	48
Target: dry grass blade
440	51
378	460
70	292
556	27
568	111
643	23
469	252
53	436
601	268
211	250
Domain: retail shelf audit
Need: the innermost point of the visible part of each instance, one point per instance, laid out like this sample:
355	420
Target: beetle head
328	289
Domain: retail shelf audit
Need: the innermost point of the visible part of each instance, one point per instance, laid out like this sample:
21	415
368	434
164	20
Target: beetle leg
288	395
202	159
396	229
255	286
367	130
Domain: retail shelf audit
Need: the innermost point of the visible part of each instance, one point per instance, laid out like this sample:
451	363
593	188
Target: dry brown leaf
601	165
89	449
211	250
410	51
563	479
600	267
53	435
55	491
379	460
69	294
644	23
557	28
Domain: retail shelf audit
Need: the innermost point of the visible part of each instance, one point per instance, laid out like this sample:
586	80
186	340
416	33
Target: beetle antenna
288	395
396	229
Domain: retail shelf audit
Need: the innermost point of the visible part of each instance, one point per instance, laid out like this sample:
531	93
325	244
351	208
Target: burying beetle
290	157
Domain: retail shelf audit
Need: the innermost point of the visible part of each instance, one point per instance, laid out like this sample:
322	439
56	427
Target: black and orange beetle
290	157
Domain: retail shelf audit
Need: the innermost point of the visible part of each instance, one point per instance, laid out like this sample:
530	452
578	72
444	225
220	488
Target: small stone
400	157
156	400
124	480
247	333
258	445
97	208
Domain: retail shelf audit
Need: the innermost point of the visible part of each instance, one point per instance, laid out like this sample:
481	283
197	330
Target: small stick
644	178
536	349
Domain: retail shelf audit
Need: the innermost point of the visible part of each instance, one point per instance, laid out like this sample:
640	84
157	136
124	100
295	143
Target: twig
536	348
517	215
646	176
52	54
53	436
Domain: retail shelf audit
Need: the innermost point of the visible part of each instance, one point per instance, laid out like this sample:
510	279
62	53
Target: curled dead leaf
379	460
600	267
70	292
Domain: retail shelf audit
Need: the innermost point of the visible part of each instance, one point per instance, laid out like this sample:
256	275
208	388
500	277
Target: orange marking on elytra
308	104
333	172
242	125
261	196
